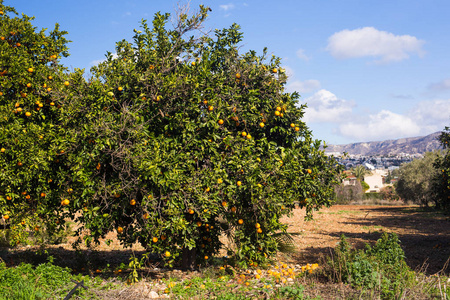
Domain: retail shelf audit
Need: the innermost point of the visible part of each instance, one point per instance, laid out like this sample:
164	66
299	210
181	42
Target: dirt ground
425	238
424	235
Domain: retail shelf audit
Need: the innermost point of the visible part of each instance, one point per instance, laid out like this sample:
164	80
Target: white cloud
227	7
301	54
432	115
324	106
369	41
440	86
97	61
424	118
306	86
299	86
380	126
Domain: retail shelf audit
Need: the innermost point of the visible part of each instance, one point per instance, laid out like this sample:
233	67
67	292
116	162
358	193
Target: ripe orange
28	114
49	89
23	222
233	209
167	254
297	129
211	108
66	83
19	109
146	216
50	77
30	70
8	198
18	44
19	164
240	221
65	202
244	133
278	108
261	124
132	202
69	190
239	183
6	217
119	230
259	230
43	195
193	63
191	211
292	125
207	189
2	38
224	203
274	70
52	103
23	95
120	88
154	239
2	150
36	228
219	181
28	197
220	122
277	113
28	85
238	75
249	136
199	223
309	171
206	257
158	98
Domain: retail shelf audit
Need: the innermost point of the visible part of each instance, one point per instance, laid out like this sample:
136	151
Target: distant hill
414	145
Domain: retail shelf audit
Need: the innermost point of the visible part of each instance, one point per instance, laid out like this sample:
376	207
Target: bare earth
424	236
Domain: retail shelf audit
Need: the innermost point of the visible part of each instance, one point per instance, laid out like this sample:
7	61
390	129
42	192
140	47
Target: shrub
381	268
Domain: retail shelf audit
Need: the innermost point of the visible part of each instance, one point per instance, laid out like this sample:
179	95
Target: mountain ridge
411	146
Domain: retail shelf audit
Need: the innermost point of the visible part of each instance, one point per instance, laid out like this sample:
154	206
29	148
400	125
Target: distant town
374	162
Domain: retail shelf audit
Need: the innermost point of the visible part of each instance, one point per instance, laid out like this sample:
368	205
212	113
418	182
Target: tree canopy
174	141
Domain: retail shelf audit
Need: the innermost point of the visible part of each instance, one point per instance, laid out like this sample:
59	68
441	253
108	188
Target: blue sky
368	69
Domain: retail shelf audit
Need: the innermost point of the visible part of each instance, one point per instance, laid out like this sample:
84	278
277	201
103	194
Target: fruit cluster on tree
173	142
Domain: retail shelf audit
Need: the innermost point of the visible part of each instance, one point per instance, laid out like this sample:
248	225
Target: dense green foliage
173	141
442	179
416	181
381	268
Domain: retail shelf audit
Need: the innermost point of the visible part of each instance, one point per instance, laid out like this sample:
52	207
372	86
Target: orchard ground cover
424	237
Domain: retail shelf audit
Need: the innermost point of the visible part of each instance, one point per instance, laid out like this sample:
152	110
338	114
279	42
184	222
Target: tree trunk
188	259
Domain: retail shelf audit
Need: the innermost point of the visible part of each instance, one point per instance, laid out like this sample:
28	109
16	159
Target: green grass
45	281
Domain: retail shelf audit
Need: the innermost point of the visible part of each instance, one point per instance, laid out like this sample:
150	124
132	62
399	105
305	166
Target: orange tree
31	136
442	180
178	140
